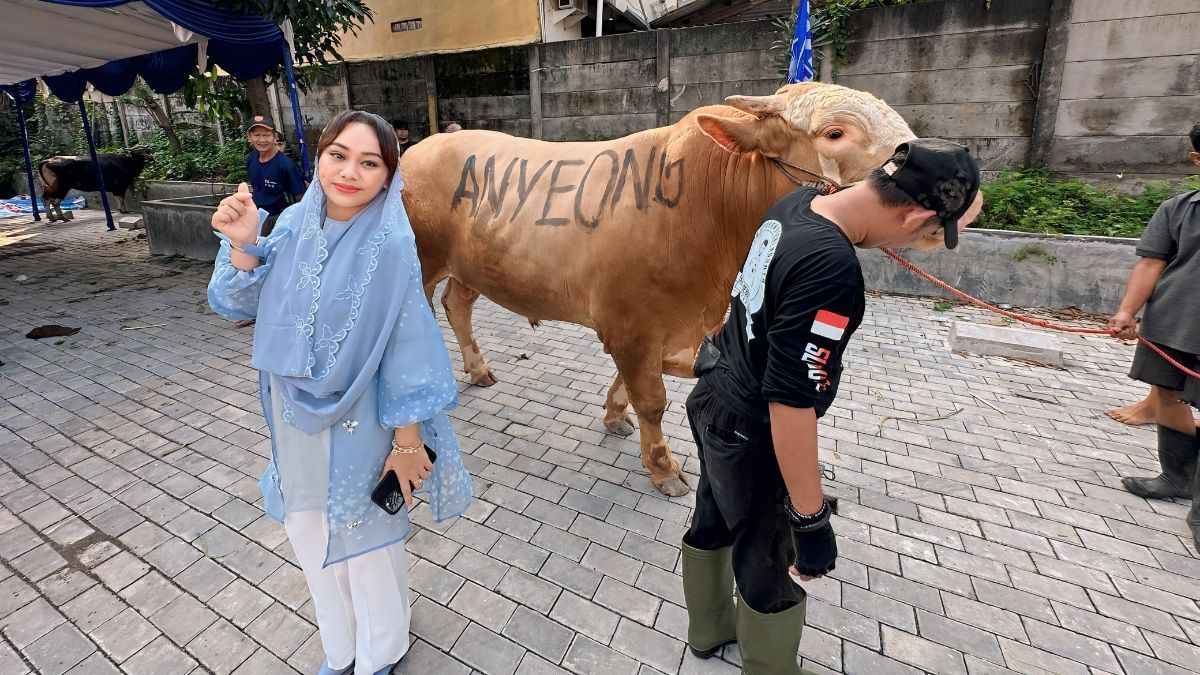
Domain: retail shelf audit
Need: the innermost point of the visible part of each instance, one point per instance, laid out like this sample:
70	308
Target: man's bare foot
1142	412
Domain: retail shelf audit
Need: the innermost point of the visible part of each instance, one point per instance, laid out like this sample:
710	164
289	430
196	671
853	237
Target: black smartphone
387	494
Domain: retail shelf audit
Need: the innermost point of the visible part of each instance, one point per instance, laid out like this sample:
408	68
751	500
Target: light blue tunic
303	466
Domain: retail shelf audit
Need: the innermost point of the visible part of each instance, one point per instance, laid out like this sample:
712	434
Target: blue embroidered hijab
312	330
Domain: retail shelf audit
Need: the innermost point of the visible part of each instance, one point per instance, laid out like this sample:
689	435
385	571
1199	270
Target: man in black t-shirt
761	521
402	135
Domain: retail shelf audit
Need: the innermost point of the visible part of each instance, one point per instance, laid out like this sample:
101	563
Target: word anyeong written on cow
622	179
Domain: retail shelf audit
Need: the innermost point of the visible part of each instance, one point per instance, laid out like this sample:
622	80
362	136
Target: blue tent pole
28	160
298	118
87	131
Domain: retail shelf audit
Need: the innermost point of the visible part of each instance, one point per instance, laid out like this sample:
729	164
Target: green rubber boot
1193	515
708	592
769	642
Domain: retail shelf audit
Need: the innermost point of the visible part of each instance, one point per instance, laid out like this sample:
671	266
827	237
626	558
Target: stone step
1016	343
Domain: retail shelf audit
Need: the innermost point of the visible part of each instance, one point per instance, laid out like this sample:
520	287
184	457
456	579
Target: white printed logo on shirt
831	326
751	284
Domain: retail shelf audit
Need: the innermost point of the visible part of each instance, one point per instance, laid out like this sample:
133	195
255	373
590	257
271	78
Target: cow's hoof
70	215
623	427
487	379
672	487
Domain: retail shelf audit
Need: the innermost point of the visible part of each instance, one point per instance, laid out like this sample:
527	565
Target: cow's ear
735	134
758	105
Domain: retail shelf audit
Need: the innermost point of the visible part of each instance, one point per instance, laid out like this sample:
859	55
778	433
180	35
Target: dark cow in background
62	174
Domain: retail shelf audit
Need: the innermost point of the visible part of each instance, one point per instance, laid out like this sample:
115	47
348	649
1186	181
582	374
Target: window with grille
406	25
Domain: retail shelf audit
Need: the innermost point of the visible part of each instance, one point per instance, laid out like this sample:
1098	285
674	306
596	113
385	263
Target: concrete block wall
601	88
1130	90
393	89
486	89
711	62
1093	88
955	70
1027	270
598	88
326	97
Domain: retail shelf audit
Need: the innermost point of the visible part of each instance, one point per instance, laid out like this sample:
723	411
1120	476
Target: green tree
141	96
318	26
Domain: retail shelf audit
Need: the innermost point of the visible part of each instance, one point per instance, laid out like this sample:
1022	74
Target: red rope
1041	323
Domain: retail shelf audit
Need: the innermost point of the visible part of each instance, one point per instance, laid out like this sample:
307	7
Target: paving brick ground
131	539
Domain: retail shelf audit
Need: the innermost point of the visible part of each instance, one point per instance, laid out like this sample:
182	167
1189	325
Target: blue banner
801	67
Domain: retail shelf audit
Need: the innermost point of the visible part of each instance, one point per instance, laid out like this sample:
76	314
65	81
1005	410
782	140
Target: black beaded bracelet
806	523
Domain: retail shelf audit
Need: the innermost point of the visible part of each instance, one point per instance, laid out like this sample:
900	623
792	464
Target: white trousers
362	603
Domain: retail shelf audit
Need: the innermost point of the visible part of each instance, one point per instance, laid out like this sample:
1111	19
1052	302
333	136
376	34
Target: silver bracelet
406	449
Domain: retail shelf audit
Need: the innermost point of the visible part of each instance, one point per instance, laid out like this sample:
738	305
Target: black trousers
1151	368
269	224
739	502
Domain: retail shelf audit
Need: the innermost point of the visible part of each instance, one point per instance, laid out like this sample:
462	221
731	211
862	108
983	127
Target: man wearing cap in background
761	522
274	178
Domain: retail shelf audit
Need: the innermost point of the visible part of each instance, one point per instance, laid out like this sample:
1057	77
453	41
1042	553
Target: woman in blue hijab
355	381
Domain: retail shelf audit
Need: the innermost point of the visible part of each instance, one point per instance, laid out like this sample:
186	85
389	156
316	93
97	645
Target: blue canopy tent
109	43
22	93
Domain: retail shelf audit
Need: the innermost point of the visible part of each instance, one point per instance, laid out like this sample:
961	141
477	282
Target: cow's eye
834	134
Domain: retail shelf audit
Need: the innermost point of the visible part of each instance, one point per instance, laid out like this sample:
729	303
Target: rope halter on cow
823	183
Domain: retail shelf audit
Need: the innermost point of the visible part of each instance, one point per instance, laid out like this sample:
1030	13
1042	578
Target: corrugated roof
705	12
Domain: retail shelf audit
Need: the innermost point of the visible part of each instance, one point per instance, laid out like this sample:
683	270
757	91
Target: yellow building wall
446	26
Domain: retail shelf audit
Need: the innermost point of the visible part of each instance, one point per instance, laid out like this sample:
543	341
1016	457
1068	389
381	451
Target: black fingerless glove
816	545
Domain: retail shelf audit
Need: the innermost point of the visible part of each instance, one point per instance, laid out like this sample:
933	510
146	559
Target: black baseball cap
940	175
260	121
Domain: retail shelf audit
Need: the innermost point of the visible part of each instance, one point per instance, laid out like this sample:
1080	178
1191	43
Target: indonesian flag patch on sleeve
830	325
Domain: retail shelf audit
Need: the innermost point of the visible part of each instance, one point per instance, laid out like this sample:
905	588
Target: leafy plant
943	306
1022	254
217	98
141	96
1029	200
828	24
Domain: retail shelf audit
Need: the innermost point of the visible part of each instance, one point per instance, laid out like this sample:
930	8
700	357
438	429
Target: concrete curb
1019	268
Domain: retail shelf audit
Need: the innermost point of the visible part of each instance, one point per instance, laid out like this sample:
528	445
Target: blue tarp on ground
21	206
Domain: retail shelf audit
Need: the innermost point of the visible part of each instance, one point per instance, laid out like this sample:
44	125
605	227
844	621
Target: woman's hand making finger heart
237	217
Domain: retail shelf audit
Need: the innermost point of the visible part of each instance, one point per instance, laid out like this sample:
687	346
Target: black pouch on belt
707	359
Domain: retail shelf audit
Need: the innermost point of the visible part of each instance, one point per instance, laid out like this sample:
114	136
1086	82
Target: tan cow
639	238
